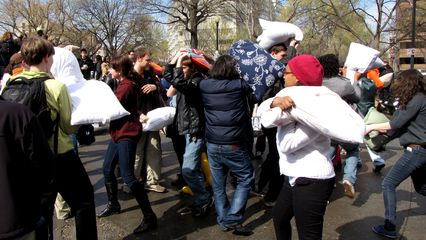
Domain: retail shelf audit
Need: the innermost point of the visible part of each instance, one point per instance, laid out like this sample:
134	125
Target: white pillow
386	79
362	58
92	102
277	32
159	118
323	110
65	67
378	63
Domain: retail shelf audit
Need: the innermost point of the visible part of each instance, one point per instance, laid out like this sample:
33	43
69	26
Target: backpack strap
56	135
55	122
22	78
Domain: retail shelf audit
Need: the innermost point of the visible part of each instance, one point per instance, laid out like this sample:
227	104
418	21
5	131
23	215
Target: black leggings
306	201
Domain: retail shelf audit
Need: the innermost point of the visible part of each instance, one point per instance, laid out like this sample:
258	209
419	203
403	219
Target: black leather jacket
189	116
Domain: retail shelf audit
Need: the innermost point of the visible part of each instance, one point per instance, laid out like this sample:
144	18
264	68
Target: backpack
32	93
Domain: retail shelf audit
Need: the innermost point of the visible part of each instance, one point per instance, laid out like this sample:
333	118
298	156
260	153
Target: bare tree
62	31
10	16
378	19
112	23
247	13
33	13
188	13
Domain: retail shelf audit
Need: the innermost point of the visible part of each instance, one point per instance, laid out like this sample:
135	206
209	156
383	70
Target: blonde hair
6	36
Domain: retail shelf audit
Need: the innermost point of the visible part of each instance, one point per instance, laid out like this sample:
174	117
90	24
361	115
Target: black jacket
189	116
152	100
91	67
26	169
7	49
226	109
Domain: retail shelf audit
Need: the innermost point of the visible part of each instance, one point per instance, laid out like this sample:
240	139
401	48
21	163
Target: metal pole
217	35
413	35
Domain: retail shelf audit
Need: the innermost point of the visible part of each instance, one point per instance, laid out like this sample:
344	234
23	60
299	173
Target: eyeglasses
286	73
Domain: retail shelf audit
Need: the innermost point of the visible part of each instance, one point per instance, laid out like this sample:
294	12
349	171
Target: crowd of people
213	115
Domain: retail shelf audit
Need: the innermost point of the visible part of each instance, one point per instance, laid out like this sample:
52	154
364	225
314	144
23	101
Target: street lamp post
413	35
217	35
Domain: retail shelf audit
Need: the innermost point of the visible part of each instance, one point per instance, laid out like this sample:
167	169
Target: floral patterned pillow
256	66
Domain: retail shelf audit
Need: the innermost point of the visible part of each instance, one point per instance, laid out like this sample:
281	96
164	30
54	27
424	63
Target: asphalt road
345	218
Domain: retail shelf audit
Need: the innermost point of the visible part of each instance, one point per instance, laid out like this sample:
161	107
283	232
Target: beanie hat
307	69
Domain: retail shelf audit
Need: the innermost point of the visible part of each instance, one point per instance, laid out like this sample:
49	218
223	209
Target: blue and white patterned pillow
256	66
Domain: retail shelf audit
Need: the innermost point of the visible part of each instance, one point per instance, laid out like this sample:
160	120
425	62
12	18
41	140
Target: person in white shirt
305	158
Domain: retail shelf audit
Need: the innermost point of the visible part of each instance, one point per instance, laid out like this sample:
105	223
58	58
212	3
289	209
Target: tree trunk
194	39
193	26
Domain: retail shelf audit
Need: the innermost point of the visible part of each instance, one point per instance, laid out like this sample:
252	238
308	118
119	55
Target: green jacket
59	101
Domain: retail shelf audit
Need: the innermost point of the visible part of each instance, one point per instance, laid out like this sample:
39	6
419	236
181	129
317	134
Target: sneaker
126	189
349	189
239	229
257	193
201	211
156	188
185	210
378	168
381	230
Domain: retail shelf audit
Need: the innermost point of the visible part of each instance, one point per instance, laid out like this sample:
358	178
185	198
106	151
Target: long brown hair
407	84
6	36
124	65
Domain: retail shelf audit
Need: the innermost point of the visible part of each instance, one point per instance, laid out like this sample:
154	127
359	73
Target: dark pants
123	153
73	183
179	143
306	201
270	168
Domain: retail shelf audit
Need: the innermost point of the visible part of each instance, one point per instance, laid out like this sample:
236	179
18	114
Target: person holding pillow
305	158
125	133
408	121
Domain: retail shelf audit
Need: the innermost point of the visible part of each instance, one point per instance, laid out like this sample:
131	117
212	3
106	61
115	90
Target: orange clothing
373	75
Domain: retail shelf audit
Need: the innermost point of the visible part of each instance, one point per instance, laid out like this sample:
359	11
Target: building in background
220	31
235	20
405	49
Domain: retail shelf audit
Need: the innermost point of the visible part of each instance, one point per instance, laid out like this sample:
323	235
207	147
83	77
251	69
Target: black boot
113	206
150	219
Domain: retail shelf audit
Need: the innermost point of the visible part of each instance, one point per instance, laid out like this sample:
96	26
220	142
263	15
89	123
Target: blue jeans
191	169
123	153
412	163
352	161
234	158
74	143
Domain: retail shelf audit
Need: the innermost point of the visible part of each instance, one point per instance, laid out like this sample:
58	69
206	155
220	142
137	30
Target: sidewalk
345	218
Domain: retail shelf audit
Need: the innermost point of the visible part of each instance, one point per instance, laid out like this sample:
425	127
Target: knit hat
307	69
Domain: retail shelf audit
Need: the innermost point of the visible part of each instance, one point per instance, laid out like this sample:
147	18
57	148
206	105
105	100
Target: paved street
345	218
